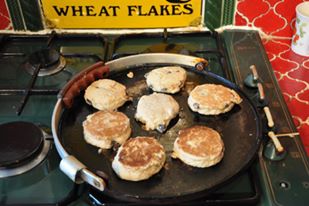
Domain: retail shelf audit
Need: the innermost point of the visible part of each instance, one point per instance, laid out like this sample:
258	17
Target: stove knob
251	80
271	153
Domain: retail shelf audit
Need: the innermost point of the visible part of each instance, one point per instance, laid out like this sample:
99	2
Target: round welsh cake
212	99
199	146
102	128
166	79
106	94
139	158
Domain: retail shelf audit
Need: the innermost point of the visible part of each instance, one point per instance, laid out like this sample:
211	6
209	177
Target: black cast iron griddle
239	129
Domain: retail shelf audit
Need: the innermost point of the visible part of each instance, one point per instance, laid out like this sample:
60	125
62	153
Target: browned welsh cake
102	128
199	146
212	99
139	158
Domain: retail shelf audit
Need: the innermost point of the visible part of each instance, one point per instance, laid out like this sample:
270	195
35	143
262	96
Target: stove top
34	68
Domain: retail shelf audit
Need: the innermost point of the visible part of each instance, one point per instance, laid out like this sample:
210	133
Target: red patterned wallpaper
276	18
5	23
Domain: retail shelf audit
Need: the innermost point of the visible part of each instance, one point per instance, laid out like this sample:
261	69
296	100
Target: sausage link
81	81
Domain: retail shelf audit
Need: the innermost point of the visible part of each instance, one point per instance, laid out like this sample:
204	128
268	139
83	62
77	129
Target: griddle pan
239	128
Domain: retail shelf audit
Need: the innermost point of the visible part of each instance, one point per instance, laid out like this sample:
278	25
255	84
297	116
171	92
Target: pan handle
81	81
78	172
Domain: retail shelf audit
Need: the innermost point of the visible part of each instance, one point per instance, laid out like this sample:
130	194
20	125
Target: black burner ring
19	143
49	60
44	57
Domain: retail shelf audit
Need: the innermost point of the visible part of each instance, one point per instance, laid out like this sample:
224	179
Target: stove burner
46	57
22	146
19	142
50	61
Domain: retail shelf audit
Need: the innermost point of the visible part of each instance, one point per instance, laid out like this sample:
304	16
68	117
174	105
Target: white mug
300	39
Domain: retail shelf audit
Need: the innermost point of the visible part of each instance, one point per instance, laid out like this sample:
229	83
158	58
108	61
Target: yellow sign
81	14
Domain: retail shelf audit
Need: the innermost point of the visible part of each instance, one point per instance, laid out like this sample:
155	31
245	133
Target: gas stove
35	68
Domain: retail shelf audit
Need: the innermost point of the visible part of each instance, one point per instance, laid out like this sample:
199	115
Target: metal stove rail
176	43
